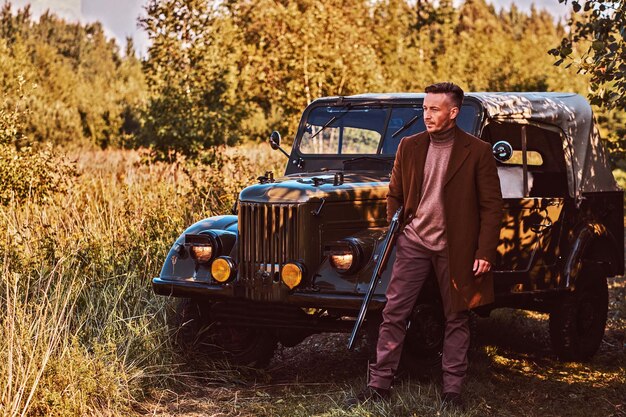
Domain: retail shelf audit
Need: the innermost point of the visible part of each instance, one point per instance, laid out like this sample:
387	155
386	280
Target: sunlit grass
512	372
81	331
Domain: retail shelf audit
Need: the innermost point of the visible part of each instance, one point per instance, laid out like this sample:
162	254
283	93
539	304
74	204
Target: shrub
27	172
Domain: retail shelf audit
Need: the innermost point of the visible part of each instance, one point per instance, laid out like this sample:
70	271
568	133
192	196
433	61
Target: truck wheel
195	333
577	322
423	345
246	346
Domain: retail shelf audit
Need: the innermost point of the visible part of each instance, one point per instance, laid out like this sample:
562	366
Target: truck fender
216	225
593	244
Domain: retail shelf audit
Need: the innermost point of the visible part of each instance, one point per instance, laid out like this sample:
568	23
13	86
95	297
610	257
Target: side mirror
275	143
275	140
502	151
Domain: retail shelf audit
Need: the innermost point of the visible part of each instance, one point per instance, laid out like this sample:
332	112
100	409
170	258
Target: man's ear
454	112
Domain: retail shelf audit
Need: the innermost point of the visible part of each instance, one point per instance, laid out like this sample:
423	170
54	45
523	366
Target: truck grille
268	237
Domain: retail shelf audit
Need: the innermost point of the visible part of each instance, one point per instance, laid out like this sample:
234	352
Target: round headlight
201	253
347	256
291	274
222	269
342	262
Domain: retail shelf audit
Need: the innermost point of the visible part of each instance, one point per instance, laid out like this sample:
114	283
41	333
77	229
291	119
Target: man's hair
452	90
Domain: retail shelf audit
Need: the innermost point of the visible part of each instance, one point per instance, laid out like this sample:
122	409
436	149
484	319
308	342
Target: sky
119	17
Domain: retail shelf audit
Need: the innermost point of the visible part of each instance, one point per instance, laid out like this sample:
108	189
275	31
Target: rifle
388	244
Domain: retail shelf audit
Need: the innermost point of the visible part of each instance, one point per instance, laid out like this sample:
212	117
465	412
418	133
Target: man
447	182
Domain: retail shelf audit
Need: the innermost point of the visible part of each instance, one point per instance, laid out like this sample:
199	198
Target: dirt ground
513	372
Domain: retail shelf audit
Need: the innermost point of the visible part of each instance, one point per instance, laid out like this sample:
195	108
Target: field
512	373
82	333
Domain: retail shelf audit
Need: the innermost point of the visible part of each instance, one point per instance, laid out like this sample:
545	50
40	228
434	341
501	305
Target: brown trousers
410	271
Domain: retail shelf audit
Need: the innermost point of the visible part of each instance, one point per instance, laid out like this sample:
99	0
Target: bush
27	173
81	332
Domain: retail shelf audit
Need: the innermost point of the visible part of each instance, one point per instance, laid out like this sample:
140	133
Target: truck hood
300	188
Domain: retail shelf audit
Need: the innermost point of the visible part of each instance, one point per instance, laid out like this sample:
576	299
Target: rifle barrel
380	265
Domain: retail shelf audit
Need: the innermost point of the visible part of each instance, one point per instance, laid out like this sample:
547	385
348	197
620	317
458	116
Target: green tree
85	88
402	39
596	46
296	51
190	72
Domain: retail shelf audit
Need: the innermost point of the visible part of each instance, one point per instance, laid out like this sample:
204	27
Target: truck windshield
368	130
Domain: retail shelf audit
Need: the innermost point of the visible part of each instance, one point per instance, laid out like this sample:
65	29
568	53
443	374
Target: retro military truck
295	257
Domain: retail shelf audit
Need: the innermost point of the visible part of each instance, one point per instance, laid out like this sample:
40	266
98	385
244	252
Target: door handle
540	227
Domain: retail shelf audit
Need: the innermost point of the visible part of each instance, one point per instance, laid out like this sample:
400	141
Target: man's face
439	112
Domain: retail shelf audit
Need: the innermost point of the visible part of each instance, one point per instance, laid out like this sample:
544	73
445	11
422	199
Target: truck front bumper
299	298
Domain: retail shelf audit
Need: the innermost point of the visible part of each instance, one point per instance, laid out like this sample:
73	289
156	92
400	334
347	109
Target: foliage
613	129
190	76
217	175
86	92
294	52
599	32
227	71
26	172
596	46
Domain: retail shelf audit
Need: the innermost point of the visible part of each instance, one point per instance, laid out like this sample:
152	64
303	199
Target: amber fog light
202	254
291	274
222	269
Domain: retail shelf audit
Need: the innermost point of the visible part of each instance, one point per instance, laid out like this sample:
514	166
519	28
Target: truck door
534	187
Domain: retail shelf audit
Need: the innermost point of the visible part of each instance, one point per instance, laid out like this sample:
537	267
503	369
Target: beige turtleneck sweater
428	227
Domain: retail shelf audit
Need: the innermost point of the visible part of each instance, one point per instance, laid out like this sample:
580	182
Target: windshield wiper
348	106
407	125
328	123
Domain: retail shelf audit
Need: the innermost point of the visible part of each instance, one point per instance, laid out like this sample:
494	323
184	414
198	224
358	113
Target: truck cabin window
341	130
545	160
368	130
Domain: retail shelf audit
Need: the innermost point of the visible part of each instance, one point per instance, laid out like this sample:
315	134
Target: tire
195	335
577	322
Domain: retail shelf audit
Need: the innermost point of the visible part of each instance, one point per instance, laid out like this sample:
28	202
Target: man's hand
481	266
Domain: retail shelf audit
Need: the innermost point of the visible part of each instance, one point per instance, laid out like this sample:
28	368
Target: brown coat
472	208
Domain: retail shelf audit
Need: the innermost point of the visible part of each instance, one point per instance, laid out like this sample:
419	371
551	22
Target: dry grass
81	331
512	373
